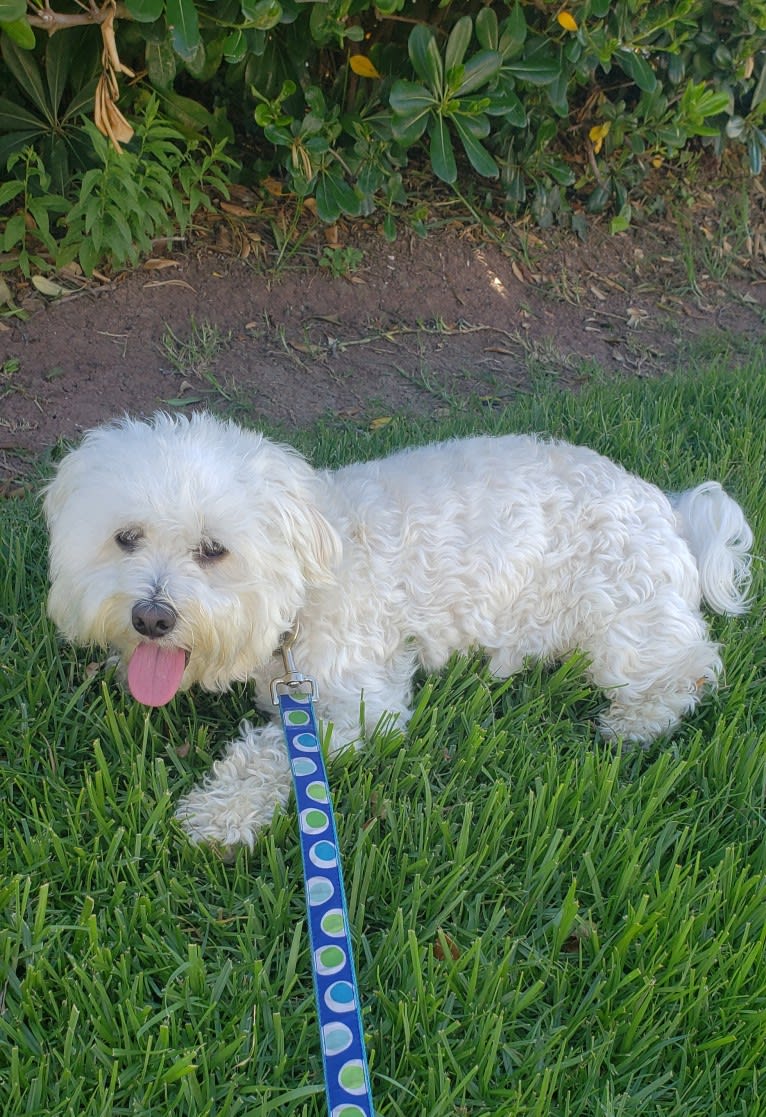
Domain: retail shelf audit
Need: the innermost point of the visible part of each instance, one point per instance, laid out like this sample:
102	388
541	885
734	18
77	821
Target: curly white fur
516	545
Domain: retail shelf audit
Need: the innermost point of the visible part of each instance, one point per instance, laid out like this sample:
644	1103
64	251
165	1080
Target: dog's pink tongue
154	673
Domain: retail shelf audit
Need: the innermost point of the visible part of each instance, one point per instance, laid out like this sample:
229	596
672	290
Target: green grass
542	927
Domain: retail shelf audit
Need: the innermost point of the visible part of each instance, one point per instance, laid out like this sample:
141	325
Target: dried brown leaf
446	945
169	283
111	57
237	210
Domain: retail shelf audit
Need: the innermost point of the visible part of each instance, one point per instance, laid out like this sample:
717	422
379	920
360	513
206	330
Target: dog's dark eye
128	539
209	551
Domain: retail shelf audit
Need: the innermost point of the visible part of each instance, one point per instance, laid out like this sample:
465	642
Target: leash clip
293	679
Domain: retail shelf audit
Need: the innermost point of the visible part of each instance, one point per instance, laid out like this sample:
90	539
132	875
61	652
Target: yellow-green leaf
48	287
362	66
567	21
598	134
20	31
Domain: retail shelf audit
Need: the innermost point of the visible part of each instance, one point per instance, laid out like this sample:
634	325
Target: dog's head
186	544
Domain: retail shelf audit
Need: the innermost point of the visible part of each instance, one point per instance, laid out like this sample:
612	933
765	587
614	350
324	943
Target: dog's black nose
153	619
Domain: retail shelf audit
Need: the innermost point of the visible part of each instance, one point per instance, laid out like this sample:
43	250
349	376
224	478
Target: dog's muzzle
153	619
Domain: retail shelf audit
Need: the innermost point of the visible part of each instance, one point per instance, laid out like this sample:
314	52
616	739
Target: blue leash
346	1073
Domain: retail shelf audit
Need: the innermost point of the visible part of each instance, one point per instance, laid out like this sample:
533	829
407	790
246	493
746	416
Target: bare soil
417	326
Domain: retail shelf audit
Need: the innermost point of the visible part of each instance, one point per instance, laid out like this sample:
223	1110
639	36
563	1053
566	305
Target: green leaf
487	31
17	118
559	171
411	104
276	135
712	102
121	227
636	67
256	69
19	31
12	10
161	64
557	94
15	232
481	68
759	93
15	142
262	14
457	43
441	151
409	97
406	133
183	24
425	58
191	117
88	256
476	123
81	103
235	48
539	69
514	33
676	69
145	11
621	221
27	74
197	62
58	54
312	125
322	24
9	191
334	196
599	199
671	136
505	103
480	159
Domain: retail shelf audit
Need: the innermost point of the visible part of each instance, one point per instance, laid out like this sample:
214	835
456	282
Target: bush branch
51	21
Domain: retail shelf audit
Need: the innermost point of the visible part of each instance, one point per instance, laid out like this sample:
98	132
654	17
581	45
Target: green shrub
340	97
37	110
120	204
27	240
134	196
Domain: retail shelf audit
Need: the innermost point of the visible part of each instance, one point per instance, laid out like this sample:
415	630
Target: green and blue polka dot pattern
347	1079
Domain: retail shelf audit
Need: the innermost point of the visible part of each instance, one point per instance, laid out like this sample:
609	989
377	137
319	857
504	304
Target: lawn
542	927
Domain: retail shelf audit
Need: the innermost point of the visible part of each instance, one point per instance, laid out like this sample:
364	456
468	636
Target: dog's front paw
241	793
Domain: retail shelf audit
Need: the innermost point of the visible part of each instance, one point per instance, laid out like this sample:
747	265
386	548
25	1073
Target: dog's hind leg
654	665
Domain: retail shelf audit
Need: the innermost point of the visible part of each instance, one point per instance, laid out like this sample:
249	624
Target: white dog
191	545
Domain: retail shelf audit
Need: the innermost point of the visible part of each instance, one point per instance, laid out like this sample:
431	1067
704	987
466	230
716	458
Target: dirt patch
414	327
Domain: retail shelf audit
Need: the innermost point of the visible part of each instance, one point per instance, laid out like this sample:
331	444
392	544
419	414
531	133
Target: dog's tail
720	539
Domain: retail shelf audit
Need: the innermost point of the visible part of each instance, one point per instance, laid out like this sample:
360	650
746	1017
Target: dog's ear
294	491
57	491
66	531
315	541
